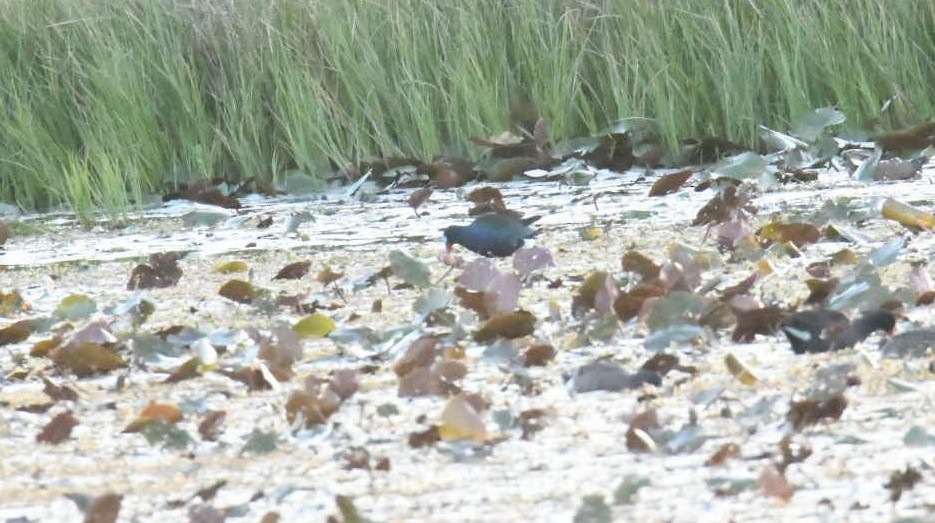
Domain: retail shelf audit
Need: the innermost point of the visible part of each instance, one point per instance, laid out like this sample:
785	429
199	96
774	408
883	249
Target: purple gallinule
492	234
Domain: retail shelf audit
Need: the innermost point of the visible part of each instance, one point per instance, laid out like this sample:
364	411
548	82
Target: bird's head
448	235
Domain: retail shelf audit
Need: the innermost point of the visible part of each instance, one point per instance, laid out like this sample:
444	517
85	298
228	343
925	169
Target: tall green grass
102	102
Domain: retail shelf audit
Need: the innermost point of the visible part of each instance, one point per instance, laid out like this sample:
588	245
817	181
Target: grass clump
102	102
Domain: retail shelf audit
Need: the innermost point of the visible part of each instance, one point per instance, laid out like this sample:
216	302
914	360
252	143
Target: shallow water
581	450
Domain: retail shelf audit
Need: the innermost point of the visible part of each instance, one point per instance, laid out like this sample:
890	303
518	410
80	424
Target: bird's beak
448	248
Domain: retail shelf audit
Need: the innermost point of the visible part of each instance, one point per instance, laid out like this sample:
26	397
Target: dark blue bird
822	330
492	234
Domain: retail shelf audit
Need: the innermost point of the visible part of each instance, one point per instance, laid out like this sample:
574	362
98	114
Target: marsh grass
102	102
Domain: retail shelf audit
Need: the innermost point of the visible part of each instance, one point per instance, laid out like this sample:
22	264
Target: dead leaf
155	412
637	262
809	412
293	271
57	430
210	426
426	438
539	355
460	420
314	410
907	215
800	234
208	493
637	436
15	333
774	484
597	283
239	291
722	206
740	370
344	383
472	301
58	392
163	271
764	321
510	326
12	303
902	481
87	359
253	378
327	276
724	453
670	183
420	354
820	290
191	369
629	303
103	509
741	288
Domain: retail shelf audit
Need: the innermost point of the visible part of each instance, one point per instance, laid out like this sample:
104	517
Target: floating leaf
153	412
231	267
75	307
742	166
260	442
315	325
610	376
58	392
764	321
539	355
917	436
58	429
409	269
210	426
628	488
739	370
528	260
811	125
725	452
239	291
634	261
162	271
15	333
809	412
86	359
293	271
327	276
593	509
461	421
586	298
103	509
420	354
637	436
670	183
901	481
12	303
775	484
907	215
511	325
800	234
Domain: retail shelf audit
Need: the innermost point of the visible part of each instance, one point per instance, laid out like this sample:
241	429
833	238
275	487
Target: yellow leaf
739	370
907	215
164	412
231	267
461	421
314	326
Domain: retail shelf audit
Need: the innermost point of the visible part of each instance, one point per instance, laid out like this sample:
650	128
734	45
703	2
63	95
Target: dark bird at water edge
492	234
